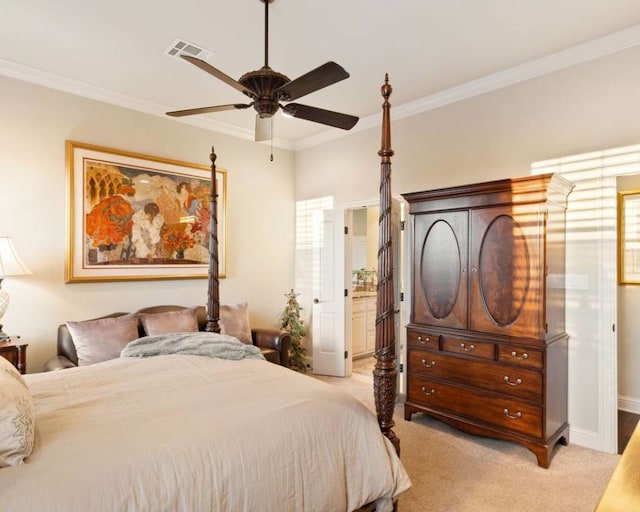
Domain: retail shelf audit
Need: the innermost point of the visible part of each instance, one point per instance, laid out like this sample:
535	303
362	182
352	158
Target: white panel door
329	328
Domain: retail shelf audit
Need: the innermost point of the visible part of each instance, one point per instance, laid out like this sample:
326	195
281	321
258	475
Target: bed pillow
103	339
17	416
182	320
234	321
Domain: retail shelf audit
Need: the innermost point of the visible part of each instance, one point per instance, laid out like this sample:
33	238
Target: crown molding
85	90
591	50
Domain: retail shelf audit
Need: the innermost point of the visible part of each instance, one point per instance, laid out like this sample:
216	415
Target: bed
182	432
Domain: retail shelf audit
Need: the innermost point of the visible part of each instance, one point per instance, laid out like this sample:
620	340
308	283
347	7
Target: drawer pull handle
431	392
424	341
524	356
515	416
470	348
508	381
428	365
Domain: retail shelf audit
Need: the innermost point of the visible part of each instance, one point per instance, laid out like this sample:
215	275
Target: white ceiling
435	51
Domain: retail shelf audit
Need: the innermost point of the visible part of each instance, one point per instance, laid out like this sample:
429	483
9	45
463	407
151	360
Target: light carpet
456	472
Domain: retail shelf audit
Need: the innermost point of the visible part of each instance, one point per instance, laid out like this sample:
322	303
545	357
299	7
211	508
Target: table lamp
10	265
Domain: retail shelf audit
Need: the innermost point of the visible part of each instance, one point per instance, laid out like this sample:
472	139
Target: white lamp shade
10	262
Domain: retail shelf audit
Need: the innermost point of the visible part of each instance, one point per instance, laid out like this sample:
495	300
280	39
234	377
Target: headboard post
385	373
213	292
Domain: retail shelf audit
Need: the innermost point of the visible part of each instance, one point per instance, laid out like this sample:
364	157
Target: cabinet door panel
358	332
505	271
440	269
370	325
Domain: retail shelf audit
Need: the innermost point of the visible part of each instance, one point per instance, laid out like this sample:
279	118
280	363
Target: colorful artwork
139	217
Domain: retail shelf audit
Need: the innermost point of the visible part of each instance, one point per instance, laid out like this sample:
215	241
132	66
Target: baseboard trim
586	438
629	404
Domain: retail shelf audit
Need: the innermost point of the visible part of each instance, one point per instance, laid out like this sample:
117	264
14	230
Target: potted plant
291	322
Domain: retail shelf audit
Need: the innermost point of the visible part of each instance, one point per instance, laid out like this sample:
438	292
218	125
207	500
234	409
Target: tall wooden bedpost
213	293
385	373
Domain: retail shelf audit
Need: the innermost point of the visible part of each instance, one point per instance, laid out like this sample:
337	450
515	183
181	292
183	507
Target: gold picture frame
136	217
629	237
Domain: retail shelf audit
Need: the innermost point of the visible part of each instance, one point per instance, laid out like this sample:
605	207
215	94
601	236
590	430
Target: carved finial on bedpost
385	373
213	294
386	152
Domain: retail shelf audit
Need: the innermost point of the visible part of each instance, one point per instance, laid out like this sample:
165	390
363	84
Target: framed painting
629	237
134	216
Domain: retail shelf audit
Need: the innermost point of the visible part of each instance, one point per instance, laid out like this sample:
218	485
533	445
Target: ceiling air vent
180	46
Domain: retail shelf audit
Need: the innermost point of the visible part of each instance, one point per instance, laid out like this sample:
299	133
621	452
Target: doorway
591	290
313	261
364	243
364	279
628	322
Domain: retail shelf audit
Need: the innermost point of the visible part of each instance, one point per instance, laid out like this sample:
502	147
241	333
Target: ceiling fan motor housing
264	82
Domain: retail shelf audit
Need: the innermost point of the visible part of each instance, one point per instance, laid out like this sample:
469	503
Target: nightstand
15	352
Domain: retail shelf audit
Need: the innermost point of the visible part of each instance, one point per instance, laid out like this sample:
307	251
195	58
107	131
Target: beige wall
591	106
35	124
588	107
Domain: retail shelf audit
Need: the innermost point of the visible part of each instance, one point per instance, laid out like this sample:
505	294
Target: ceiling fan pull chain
271	157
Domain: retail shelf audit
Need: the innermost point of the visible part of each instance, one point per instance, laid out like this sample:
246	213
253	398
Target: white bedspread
196	434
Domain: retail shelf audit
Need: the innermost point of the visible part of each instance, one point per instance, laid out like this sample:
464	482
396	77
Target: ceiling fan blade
207	110
320	115
264	126
316	79
205	66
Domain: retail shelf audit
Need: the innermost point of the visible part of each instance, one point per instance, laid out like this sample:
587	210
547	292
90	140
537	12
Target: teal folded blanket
209	344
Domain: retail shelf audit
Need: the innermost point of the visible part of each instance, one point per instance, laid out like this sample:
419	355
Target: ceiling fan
267	88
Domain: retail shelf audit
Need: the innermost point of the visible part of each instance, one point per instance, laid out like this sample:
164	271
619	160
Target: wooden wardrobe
487	348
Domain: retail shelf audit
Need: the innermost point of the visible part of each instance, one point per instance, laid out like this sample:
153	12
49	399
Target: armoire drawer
508	380
480	349
496	410
524	356
423	340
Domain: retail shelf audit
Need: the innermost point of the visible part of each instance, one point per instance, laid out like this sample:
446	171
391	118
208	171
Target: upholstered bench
274	344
